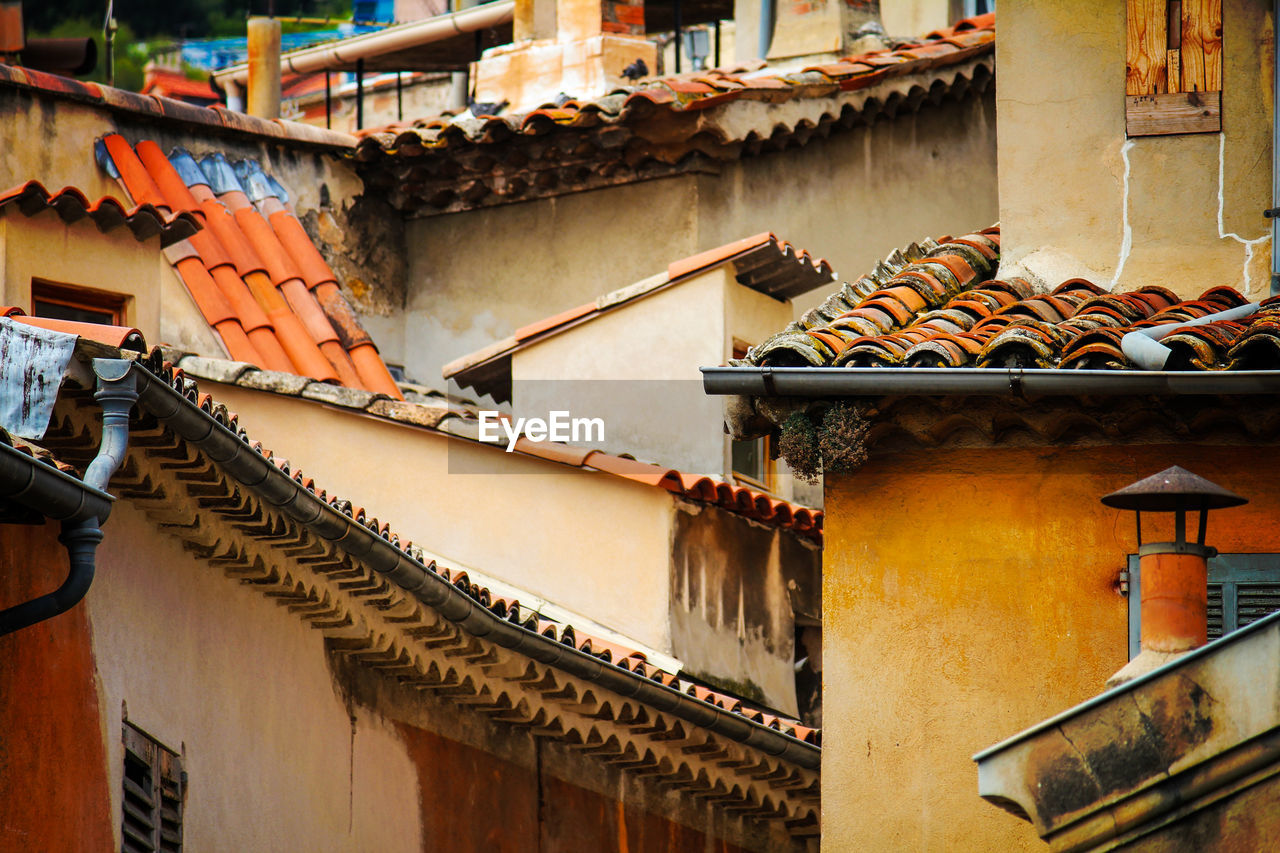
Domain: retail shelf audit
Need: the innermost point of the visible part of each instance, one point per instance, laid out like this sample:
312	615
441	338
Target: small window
78	304
154	789
751	462
1242	589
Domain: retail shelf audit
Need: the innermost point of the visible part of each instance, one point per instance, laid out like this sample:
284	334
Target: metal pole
717	43
676	10
328	103
399	99
359	94
1275	160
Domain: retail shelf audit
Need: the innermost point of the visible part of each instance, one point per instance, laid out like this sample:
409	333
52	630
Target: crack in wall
1223	234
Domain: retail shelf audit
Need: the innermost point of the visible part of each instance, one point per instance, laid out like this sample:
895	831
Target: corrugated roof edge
437	413
166	392
71	205
162	109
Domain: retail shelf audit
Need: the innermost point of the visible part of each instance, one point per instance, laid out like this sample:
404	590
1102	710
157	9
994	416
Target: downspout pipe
82	507
1143	347
279	490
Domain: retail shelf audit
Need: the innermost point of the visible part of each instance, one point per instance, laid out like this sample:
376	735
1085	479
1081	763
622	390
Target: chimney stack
264	67
1172	576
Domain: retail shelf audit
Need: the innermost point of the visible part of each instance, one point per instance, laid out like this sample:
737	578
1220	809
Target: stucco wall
637	368
45	247
239	686
592	543
1077	199
735	592
851	198
969	594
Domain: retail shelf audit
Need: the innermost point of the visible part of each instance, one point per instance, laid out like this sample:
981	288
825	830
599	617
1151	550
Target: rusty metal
1172	490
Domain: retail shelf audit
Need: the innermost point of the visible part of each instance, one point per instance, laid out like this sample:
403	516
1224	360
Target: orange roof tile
146	220
933	305
268	314
666	126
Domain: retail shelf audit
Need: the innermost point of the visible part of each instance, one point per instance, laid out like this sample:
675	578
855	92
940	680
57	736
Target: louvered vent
152	802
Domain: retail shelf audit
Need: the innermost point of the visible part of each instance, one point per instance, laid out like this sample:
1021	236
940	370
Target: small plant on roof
842	441
798	444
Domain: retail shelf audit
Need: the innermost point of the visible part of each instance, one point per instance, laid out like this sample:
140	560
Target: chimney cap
1172	490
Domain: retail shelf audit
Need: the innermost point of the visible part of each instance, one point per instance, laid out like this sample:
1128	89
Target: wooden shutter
152	802
1173	67
1242	589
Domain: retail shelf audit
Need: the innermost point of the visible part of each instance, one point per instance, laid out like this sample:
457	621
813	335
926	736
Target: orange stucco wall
969	594
53	769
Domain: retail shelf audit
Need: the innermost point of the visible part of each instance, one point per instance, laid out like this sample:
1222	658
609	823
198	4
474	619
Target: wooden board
1201	45
1145	46
1174	112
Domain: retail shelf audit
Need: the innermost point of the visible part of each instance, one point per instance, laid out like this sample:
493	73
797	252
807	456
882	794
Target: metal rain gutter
340	54
282	492
979	381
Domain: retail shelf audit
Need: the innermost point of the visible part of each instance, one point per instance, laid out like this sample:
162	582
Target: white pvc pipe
339	55
1141	346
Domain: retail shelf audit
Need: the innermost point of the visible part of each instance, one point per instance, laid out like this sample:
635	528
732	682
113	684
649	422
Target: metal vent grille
153	795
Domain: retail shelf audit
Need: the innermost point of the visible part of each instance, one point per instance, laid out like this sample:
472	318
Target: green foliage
181	19
837	445
798	444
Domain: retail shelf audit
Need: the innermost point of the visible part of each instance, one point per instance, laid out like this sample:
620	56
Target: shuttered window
153	795
1242	589
1173	67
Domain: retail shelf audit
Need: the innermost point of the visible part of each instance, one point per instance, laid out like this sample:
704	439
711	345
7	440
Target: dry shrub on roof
837	445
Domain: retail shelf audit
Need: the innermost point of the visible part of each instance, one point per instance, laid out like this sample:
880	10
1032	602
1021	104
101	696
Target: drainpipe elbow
117	391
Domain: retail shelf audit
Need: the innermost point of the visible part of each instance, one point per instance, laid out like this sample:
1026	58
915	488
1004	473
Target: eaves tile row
253	272
934	305
72	205
619	655
667	126
436	412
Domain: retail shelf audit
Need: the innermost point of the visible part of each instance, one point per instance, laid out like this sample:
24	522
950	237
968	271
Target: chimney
824	30
264	67
1172	576
11	38
578	47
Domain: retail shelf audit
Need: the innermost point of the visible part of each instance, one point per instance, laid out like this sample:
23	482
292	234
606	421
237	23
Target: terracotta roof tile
974	321
122	337
662	127
146	220
120	100
244	272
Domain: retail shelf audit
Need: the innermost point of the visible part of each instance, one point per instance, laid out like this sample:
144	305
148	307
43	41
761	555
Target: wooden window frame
85	298
1173	67
769	465
153	795
1227	574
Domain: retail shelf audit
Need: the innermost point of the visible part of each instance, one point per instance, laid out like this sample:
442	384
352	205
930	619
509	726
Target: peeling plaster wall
969	594
735	591
1077	199
852	198
238	685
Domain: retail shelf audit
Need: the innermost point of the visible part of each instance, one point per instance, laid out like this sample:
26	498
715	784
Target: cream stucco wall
1078	199
44	247
852	198
283	765
592	543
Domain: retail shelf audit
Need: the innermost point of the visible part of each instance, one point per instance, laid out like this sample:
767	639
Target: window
79	304
1242	589
154	789
1173	67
